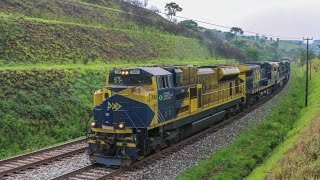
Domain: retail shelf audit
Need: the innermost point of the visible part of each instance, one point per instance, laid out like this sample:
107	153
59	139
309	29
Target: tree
257	36
312	54
239	43
252	54
229	36
301	55
190	24
262	40
236	31
275	45
172	9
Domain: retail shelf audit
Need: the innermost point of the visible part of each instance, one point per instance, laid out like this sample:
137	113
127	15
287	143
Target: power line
185	18
228	27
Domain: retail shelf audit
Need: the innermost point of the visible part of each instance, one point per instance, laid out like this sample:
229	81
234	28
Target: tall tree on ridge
172	9
237	31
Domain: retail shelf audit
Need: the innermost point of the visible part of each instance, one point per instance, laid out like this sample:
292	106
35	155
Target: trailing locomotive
142	110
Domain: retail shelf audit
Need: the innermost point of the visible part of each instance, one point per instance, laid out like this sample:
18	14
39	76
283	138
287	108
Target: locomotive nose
118	112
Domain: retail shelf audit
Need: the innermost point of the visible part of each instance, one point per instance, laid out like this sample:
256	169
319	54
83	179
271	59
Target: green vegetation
43	107
253	147
263	49
299	155
106	13
37	40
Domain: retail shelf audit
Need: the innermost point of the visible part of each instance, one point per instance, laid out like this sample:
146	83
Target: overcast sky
291	18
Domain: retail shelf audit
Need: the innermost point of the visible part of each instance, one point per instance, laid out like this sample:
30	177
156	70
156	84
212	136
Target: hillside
55	53
106	13
38	40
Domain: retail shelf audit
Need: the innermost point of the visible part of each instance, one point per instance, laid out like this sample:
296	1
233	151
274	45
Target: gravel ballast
55	169
173	165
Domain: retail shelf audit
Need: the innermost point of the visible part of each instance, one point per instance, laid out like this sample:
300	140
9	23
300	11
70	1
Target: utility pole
310	69
307	73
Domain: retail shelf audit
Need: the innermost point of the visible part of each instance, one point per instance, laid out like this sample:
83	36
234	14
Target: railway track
31	160
91	171
88	172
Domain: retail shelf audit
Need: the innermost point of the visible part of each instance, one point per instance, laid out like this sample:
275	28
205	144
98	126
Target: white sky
292	18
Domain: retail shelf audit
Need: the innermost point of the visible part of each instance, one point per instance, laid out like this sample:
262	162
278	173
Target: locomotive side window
164	82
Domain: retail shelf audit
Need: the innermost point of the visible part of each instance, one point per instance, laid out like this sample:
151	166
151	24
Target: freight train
145	109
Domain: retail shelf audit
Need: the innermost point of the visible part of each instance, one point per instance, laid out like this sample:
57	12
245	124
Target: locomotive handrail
241	85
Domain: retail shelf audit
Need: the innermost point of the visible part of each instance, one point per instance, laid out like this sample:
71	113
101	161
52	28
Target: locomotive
145	109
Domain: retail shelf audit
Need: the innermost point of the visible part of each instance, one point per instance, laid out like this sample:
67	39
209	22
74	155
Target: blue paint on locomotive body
132	113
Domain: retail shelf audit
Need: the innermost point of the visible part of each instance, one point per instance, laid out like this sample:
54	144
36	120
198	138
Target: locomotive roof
251	66
254	66
156	71
205	71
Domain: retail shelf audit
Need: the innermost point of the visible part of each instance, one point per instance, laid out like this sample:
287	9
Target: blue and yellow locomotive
142	110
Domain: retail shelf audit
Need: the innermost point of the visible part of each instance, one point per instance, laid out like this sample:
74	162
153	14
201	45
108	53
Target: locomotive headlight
121	125
93	123
126	73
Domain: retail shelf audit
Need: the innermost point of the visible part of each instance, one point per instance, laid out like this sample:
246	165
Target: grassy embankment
254	147
34	40
299	155
90	12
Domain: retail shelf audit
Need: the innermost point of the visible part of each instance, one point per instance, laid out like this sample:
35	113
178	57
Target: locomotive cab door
166	104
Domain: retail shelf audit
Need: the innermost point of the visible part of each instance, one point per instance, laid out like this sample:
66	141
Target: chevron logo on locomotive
114	106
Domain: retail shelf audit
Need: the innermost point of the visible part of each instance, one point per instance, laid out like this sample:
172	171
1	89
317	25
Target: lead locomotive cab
124	109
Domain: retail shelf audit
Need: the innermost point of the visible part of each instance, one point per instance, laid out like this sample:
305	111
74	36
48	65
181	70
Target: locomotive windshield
130	79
